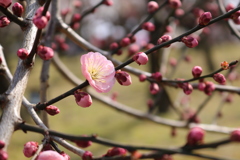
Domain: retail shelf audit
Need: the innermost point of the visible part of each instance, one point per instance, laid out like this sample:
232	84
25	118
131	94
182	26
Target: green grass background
116	126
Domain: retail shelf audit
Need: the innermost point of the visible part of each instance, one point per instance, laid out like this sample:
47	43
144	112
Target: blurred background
110	24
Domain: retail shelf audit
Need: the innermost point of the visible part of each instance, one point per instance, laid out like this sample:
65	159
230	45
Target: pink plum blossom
98	71
50	155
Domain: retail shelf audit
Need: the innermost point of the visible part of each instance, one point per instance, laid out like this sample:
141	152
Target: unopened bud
82	99
201	86
87	155
134	48
108	2
220	78
196	71
76	17
140	58
116	151
40	22
123	78
229	7
125	42
154	88
22	53
235	135
152	6
149	26
113	46
52	110
187	88
5	3
83	144
3	155
47	155
17	9
157	76
175	3
205	18
2	144
195	136
30	148
44	52
163	39
4	21
209	88
142	77
190	41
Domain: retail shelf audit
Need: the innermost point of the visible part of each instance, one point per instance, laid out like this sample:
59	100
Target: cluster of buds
163	39
3	154
195	136
52	110
208	88
115	151
82	99
152	7
140	58
157	76
60	43
44	52
235	16
39	20
123	78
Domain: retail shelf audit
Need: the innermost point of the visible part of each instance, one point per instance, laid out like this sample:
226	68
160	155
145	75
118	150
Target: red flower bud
125	42
44	52
154	88
83	144
115	151
108	2
40	22
205	18
52	110
187	88
195	136
209	88
220	78
87	155
142	77
30	148
157	76
201	86
134	48
113	46
229	7
152	6
3	155
175	3
196	71
76	17
2	144
5	3
235	15
82	99
140	58
17	9
22	53
149	26
190	41
163	39
235	135
4	21
123	78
